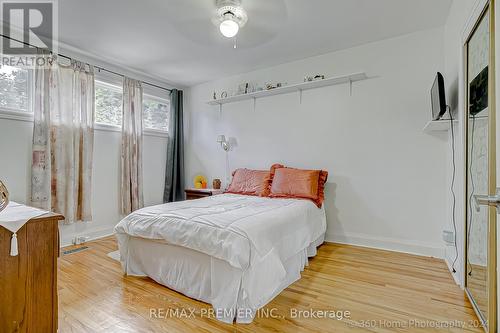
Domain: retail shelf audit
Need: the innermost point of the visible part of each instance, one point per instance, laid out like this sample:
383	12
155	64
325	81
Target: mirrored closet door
480	267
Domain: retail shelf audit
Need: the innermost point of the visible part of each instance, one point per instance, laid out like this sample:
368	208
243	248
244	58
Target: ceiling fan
220	22
230	17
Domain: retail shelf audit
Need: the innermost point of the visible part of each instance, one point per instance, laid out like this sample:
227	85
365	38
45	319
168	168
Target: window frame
104	126
159	100
15	114
115	128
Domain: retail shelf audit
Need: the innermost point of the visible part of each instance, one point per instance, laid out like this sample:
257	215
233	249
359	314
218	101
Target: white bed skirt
206	278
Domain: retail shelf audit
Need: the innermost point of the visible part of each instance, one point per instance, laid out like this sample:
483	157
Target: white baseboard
450	256
391	244
455	275
67	240
383	243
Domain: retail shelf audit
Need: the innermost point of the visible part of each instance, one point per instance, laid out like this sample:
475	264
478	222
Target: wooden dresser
28	281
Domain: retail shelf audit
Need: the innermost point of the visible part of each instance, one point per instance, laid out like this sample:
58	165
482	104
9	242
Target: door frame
478	13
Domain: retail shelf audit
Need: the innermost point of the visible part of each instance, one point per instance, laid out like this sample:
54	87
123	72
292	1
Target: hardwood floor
382	291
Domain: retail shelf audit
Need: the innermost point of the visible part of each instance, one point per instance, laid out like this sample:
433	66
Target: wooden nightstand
197	193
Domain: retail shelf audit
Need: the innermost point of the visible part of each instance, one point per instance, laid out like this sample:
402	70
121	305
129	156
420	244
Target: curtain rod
98	67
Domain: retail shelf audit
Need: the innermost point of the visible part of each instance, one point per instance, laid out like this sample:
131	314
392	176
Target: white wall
15	160
387	183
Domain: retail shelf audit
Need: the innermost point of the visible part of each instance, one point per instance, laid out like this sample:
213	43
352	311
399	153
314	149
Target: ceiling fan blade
264	7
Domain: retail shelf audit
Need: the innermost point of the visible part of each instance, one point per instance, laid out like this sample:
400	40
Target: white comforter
234	228
241	230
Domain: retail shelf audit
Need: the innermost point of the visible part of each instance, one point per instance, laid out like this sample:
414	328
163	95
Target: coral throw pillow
250	182
297	183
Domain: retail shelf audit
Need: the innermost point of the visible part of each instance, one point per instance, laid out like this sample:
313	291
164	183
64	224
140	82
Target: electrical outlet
80	240
449	237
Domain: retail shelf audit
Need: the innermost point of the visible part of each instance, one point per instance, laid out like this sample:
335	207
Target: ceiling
176	40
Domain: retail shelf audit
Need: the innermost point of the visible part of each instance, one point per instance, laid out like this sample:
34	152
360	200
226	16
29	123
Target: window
14	89
155	113
108	108
108	104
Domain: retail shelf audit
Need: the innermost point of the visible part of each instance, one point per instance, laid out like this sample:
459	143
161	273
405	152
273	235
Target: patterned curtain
40	164
131	150
64	126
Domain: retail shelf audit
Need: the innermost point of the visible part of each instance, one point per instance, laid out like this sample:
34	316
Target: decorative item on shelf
242	89
314	78
200	182
245	88
270	86
4	196
216	184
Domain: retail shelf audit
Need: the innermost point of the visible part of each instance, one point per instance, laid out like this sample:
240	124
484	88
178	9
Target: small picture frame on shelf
245	88
270	86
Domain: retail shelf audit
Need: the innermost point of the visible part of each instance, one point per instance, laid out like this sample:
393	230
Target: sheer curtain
73	142
64	122
131	150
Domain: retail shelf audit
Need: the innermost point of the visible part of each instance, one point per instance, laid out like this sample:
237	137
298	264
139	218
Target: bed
236	252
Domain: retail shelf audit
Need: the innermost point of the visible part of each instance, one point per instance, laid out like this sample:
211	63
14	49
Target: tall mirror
480	266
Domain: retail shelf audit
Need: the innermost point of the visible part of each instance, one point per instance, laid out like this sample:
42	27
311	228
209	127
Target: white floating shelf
442	125
292	88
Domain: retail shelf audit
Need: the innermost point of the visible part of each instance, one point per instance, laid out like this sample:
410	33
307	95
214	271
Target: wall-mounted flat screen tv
438	99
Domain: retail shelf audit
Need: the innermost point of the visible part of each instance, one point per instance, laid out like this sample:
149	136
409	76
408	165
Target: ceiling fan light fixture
230	16
229	28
